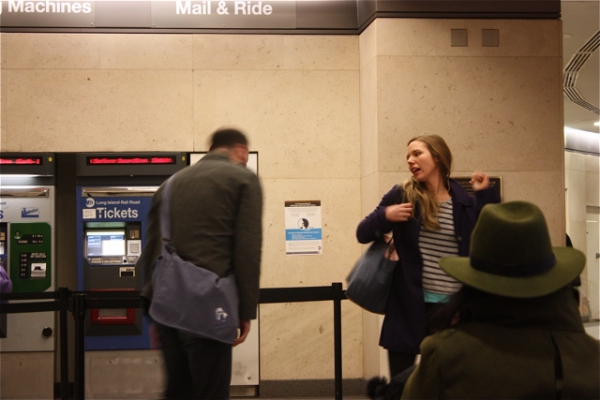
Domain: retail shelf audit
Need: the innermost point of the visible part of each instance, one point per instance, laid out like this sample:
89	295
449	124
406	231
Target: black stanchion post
337	337
79	314
63	297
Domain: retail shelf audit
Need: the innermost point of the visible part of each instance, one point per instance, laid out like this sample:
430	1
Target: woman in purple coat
5	287
431	216
5	282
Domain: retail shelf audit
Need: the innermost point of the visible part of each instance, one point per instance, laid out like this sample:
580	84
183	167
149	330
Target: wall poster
303	229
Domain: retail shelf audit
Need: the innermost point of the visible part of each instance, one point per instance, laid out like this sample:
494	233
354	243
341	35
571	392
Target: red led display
21	161
135	160
163	160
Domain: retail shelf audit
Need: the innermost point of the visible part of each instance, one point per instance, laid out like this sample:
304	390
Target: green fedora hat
511	254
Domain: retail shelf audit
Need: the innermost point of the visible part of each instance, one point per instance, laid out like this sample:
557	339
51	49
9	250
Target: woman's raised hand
479	180
399	212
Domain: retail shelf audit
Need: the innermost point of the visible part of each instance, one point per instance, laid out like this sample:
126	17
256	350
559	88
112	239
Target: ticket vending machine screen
105	243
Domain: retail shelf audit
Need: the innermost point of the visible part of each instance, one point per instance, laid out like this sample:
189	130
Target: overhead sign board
47	13
217	14
224	14
311	15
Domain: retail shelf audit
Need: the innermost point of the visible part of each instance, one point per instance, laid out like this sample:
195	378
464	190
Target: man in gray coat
216	224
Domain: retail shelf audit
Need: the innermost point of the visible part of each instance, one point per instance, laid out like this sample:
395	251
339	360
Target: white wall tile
305	123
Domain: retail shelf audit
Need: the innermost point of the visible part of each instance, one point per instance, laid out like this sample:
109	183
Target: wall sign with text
463	181
303	228
214	14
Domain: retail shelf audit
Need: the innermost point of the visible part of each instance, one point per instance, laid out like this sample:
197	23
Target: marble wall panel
296	341
420	37
75	51
96	110
375	357
146	52
502	113
518	38
321	52
369	190
289	331
258	52
368	119
340	203
417	37
303	123
54	51
238	52
368	44
368	102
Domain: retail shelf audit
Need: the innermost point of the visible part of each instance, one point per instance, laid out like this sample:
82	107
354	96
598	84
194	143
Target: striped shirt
435	245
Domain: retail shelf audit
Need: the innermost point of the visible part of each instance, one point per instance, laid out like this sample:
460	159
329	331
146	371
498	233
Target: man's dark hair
227	138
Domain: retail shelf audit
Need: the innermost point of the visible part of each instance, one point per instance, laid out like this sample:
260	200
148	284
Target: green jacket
216	224
512	349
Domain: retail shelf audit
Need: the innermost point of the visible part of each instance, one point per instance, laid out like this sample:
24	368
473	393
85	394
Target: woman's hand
479	180
399	212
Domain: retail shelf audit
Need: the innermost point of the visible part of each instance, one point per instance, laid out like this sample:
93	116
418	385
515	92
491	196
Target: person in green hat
514	328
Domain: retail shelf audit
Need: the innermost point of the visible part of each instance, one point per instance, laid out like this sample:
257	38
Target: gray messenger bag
188	297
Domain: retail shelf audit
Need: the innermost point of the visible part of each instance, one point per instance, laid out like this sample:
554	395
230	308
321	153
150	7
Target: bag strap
165	221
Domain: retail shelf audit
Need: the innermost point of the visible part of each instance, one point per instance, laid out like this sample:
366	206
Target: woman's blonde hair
416	192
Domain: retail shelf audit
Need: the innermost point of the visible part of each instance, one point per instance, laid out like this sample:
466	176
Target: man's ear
240	152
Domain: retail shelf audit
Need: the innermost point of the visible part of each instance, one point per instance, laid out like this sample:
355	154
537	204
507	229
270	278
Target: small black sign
464	183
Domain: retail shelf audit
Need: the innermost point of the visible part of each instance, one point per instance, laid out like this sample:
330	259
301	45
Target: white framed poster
252	160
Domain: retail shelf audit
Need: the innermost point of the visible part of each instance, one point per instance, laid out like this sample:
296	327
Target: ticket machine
27	229
114	192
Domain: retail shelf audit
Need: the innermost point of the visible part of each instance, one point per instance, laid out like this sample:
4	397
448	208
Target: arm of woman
376	224
484	193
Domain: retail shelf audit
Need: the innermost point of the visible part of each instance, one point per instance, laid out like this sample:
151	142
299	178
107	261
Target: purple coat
5	283
404	323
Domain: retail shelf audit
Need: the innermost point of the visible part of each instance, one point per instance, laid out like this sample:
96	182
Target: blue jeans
197	368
